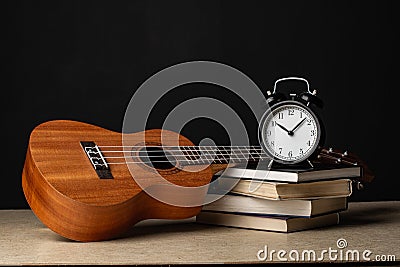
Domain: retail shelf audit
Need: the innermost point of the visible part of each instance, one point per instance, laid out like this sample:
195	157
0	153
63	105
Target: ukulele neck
195	155
222	155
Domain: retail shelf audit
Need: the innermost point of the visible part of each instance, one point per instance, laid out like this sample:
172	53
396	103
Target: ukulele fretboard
195	155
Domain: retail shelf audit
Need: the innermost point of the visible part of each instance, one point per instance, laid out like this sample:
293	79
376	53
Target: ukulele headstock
333	156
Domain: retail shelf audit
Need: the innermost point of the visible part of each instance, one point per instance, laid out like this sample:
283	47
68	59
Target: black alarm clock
291	131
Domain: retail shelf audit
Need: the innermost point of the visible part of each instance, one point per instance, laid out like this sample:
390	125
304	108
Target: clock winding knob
311	98
273	98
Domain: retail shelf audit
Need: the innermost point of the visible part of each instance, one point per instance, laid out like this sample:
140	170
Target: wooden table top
372	226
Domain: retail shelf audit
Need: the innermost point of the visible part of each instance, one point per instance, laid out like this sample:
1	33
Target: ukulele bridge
97	160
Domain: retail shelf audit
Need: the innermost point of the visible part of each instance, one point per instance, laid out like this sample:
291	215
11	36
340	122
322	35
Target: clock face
289	132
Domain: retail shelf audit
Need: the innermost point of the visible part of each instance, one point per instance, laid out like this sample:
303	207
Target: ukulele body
67	195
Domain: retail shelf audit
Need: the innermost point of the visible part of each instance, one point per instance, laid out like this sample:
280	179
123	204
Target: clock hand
283	127
297	126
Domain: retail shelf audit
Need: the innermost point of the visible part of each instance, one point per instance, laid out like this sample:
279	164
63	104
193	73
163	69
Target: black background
83	60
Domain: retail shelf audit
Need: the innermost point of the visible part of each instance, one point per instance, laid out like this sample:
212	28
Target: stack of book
282	200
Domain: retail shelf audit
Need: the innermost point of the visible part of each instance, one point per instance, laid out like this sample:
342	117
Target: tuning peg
359	185
345	154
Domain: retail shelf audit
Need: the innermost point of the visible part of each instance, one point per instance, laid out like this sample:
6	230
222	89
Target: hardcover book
252	205
318	172
265	222
278	190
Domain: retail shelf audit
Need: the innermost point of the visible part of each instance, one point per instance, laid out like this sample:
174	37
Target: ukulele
78	180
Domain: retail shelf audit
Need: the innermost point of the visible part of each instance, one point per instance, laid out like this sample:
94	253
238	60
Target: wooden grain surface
64	191
24	240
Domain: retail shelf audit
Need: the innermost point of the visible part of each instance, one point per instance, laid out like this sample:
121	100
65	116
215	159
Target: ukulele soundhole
157	158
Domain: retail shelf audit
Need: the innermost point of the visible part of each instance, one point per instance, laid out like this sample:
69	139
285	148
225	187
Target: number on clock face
290	133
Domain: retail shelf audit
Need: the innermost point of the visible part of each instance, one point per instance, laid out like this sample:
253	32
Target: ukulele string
184	149
190	162
202	158
190	154
186	154
182	146
183	158
181	154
